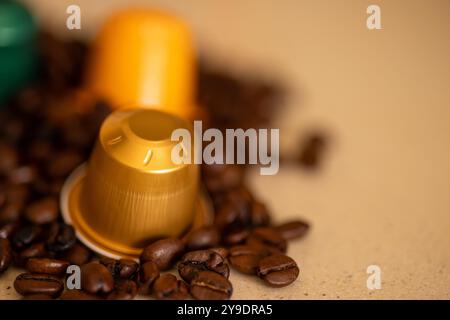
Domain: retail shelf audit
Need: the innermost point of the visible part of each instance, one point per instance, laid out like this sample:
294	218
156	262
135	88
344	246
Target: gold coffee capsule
131	191
144	57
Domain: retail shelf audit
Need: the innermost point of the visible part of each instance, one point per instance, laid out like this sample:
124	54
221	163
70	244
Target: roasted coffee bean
25	236
148	273
76	294
27	284
236	236
78	254
203	238
292	230
312	150
38	296
221	251
196	261
36	250
63	163
163	252
8	229
245	258
61	237
268	237
120	269
232	216
47	266
42	211
277	270
5	254
10	212
95	278
208	285
23	175
17	194
221	177
123	290
260	215
8	157
168	287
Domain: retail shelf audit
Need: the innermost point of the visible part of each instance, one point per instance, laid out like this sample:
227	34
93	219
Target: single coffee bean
23	175
42	211
47	266
268	237
120	269
8	157
25	236
163	252
27	284
61	237
260	215
123	290
76	294
5	255
231	216
312	150
223	179
36	250
236	236
17	194
196	261
208	285
168	287
148	273
78	254
245	258
96	278
203	238
292	230
277	270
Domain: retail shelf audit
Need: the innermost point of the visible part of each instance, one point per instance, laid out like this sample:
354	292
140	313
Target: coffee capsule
131	192
144	57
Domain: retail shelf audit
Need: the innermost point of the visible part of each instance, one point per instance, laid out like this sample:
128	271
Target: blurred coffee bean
312	150
17	194
28	284
63	163
78	254
148	273
223	179
293	229
42	211
236	236
120	269
245	258
277	270
5	255
123	290
25	236
201	260
168	287
96	278
163	252
36	250
268	237
23	175
208	285
46	266
8	158
61	237
7	229
10	213
259	214
232	216
203	238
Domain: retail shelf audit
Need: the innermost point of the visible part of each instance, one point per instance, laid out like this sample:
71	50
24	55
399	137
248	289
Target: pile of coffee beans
49	128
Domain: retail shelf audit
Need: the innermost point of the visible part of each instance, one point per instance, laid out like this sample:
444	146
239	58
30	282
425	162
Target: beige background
384	194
